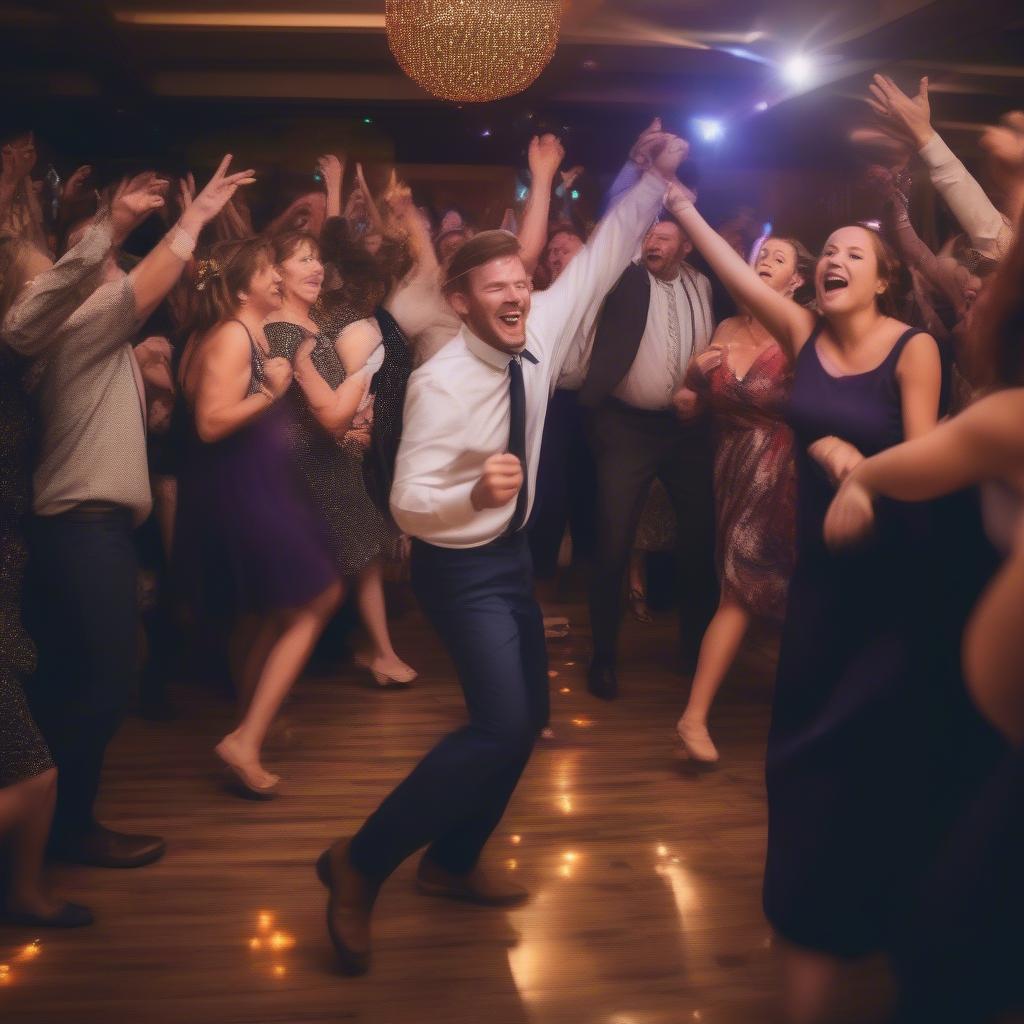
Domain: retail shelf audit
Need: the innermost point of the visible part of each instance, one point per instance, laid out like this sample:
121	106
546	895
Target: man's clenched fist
499	483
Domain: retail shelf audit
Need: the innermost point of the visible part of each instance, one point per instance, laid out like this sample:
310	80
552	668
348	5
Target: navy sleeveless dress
247	535
852	737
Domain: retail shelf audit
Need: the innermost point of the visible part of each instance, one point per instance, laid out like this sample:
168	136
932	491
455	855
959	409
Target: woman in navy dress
849	792
245	519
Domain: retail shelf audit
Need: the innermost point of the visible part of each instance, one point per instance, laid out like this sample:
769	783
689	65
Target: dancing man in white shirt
463	489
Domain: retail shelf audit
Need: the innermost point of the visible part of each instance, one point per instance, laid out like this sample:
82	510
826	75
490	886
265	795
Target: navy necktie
517	433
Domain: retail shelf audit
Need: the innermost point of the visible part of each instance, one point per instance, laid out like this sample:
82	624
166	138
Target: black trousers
566	488
81	610
631	447
480	601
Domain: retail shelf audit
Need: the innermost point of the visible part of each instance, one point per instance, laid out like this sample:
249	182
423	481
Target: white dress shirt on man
679	326
457	403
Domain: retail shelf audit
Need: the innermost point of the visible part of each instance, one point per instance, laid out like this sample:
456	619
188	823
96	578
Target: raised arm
988	229
546	156
787	321
571	304
157	273
407	225
984	442
332	170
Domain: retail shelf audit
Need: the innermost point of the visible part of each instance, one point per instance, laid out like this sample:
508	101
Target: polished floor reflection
645	874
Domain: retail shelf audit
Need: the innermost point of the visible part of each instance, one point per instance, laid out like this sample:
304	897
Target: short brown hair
286	243
480	249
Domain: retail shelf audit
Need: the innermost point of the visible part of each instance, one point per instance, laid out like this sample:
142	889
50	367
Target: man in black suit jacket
654	321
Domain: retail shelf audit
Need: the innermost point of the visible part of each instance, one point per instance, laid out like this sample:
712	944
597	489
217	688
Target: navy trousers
82	612
480	601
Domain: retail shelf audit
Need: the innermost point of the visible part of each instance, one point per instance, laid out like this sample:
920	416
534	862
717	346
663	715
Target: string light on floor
473	51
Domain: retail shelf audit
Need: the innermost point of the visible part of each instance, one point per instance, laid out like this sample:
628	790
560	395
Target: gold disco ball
472	51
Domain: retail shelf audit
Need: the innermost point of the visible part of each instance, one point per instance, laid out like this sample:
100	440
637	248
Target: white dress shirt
679	326
457	403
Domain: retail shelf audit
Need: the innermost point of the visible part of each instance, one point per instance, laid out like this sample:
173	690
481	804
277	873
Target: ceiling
618	61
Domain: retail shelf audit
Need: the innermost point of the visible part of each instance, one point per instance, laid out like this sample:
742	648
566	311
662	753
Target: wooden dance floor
645	874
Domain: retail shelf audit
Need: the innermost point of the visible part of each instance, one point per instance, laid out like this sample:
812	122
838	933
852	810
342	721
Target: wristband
181	243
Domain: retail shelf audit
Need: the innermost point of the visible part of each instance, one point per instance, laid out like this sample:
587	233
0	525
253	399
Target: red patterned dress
755	482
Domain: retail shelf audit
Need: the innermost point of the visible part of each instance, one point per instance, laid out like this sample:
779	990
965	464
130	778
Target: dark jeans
631	447
82	612
566	488
480	601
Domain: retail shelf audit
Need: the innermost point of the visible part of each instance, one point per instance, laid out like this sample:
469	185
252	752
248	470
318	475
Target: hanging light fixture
473	51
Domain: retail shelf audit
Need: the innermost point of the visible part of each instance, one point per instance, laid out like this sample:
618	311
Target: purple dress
247	534
857	723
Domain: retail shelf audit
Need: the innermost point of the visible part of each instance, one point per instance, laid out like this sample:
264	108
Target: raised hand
645	139
219	189
850	517
911	116
332	170
75	185
1005	144
571	176
278	372
666	162
679	198
499	483
186	191
545	156
134	200
19	157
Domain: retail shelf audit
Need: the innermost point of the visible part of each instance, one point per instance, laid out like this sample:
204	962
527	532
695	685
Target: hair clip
206	271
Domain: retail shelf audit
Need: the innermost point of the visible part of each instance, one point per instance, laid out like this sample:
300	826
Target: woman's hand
837	457
545	157
851	516
219	189
75	185
278	372
911	117
679	198
134	200
686	403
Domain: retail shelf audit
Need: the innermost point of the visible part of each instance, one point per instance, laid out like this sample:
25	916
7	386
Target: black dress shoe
104	848
349	907
602	681
71	915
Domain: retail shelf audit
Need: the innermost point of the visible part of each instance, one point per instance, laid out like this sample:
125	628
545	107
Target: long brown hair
228	271
996	339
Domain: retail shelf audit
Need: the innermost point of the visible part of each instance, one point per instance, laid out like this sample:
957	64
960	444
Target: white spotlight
798	70
761	107
710	129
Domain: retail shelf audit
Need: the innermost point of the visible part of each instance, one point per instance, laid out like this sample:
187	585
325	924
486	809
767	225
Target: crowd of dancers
360	384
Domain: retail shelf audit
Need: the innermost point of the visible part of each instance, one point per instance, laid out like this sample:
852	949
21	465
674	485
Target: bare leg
718	650
809	981
383	661
261	640
285	660
26	810
638	585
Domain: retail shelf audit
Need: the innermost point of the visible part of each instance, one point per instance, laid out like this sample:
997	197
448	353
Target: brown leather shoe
104	848
476	887
349	907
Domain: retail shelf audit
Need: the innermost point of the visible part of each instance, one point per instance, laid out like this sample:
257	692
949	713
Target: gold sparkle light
473	51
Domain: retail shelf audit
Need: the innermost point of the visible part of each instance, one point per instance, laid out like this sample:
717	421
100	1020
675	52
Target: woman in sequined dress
743	379
336	354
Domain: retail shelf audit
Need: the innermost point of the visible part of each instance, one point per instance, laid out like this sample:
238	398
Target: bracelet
181	243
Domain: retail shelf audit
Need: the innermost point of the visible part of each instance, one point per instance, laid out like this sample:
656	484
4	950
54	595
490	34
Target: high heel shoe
696	742
389	680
